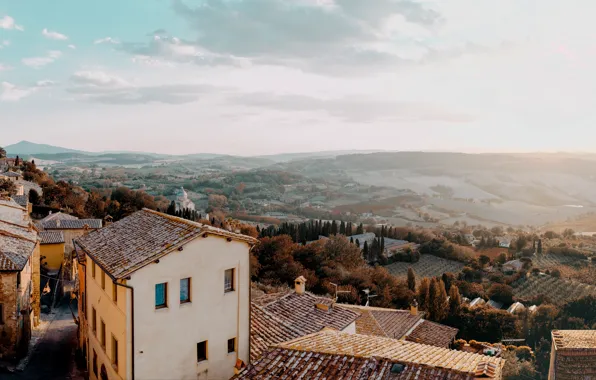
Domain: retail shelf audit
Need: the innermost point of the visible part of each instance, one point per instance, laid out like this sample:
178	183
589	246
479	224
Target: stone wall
15	332
36	284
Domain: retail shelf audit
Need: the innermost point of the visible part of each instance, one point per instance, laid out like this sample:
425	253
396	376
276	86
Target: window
114	292
103	280
103	334
202	351
231	345
93	269
95	363
1	314
185	290
161	295
229	280
19	280
94	320
114	351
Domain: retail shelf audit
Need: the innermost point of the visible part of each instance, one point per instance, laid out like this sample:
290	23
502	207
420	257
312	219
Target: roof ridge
9	234
174	218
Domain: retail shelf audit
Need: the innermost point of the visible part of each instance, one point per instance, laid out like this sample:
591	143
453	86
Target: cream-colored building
164	298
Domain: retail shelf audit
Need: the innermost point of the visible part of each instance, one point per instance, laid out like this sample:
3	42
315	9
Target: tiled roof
28	186
10	203
51	237
398	324
433	334
262	299
58	216
365	346
21	200
300	312
16	245
266	330
72	224
574	339
10	261
127	245
10	173
281	363
390	323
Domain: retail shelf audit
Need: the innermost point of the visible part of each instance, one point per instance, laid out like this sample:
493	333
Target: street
53	356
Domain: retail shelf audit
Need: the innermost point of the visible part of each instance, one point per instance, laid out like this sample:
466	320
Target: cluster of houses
163	297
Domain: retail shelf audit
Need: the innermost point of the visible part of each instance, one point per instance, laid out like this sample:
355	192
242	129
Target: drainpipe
132	326
84	308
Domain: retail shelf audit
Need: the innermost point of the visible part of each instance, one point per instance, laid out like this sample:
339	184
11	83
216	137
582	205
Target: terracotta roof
266	330
434	334
574	339
281	363
391	323
16	245
339	343
262	299
21	200
129	244
58	215
71	224
10	173
331	354
51	237
300	312
28	186
11	203
10	261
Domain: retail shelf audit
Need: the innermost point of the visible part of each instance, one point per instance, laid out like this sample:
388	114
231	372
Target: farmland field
551	260
559	291
428	266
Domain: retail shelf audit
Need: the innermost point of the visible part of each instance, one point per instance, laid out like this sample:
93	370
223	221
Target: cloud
5	67
101	87
105	40
8	23
4	44
353	109
39	62
12	93
308	34
72	47
53	35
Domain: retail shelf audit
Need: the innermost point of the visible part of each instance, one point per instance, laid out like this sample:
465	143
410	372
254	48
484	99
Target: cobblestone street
53	355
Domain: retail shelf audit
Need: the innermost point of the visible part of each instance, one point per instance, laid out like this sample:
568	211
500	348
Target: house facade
163	297
573	355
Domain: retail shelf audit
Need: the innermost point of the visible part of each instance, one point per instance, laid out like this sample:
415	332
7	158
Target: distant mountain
285	157
28	148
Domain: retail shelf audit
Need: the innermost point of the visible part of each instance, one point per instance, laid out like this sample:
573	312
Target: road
53	356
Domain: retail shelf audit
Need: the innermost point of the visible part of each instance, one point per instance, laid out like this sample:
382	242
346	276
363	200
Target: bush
556	273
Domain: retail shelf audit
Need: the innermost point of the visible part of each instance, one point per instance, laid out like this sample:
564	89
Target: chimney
300	285
414	308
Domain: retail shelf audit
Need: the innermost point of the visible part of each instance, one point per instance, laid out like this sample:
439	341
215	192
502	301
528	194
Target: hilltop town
108	282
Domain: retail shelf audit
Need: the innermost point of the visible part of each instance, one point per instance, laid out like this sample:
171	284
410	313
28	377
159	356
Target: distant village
157	294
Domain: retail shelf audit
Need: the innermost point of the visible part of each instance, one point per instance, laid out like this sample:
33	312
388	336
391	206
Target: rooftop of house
11	174
71	224
574	339
301	312
267	330
21	200
51	237
495	304
337	355
16	245
58	216
8	202
125	246
398	324
28	186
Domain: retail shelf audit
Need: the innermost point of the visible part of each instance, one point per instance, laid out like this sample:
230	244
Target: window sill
185	302
161	307
229	291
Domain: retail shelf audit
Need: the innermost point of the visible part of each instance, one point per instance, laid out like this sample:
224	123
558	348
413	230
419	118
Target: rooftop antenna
368	296
338	291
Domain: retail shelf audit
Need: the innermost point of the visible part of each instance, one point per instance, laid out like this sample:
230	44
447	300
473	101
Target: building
19	280
283	316
513	266
164	298
52	250
494	304
331	354
402	325
573	355
516	308
11	176
182	201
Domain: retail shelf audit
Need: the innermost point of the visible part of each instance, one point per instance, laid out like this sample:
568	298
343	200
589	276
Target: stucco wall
54	255
351	329
36	284
114	316
166	339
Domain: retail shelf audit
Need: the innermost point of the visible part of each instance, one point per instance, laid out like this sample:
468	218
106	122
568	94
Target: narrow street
53	356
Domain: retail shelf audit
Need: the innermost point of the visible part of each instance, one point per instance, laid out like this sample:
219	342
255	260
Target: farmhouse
330	354
573	355
513	266
516	308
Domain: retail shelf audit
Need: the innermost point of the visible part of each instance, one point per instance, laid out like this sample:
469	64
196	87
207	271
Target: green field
559	291
428	266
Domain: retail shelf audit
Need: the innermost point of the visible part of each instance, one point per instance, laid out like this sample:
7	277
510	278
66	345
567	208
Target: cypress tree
360	229
423	290
357	243
351	240
365	251
171	208
454	300
342	228
411	279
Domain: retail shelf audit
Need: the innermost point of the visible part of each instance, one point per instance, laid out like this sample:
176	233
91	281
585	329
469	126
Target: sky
253	77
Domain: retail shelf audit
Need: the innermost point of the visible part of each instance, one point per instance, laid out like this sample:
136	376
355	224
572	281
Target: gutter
132	326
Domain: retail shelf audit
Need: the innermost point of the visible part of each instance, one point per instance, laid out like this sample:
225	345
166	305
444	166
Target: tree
7	186
437	301
365	252
521	243
34	197
360	229
484	260
501	293
171	208
423	293
2	152
568	233
539	247
454	300
411	279
357	243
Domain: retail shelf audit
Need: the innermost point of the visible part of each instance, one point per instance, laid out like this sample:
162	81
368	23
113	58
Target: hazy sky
269	76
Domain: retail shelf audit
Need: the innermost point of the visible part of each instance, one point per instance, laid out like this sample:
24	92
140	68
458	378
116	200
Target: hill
28	148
